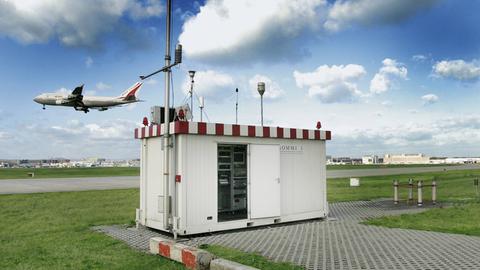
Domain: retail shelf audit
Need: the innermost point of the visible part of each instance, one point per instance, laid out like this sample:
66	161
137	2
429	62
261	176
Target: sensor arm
178	60
165	68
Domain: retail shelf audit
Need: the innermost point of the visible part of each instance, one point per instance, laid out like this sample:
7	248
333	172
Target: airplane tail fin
131	93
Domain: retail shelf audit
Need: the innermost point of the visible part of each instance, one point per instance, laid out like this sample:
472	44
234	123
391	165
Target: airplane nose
37	99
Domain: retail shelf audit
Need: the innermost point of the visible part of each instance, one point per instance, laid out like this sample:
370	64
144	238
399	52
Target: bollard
434	192
410	190
419	193
475	183
395	191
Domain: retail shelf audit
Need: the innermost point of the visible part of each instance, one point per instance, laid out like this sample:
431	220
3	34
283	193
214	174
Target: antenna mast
236	107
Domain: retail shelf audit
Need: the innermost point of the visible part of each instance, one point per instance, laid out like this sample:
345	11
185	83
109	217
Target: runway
18	186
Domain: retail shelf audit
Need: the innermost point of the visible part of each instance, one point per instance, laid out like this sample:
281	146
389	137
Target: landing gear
43	106
84	109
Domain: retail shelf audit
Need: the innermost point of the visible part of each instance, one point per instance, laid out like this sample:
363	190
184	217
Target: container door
264	180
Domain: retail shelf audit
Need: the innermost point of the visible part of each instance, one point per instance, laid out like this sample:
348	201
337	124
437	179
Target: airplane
84	103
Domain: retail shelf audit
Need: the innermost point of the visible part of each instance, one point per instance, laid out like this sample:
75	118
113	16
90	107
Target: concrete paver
341	242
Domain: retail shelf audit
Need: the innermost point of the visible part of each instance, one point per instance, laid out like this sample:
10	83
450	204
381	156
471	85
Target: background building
371	159
406	159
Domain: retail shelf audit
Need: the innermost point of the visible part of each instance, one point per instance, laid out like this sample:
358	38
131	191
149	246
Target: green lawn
53	231
455	187
68	172
461	219
382	166
17	173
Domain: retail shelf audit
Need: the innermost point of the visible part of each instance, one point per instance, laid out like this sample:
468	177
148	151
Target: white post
410	190
419	194
395	191
434	192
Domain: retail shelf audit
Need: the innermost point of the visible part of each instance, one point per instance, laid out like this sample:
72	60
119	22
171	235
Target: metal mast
192	75
166	136
236	107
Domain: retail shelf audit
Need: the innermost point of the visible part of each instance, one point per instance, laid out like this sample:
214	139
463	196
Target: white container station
231	176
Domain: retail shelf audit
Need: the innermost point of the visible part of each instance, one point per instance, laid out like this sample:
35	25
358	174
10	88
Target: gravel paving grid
340	242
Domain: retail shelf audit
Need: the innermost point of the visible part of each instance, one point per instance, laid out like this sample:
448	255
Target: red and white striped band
201	128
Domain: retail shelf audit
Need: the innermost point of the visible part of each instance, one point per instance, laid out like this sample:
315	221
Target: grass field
460	219
18	173
68	172
455	187
53	231
383	166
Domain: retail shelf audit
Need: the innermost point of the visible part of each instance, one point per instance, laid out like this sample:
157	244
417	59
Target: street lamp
261	91
192	74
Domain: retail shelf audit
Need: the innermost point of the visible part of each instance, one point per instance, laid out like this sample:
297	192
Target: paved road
13	186
339	242
394	171
66	184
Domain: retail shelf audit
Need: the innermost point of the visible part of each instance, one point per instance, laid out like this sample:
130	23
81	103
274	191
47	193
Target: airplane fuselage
55	99
84	103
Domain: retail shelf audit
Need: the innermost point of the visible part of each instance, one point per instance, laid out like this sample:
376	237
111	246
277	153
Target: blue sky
385	76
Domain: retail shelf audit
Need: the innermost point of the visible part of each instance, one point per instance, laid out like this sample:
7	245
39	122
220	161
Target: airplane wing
78	90
76	97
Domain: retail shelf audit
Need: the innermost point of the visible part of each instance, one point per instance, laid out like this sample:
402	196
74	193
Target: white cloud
102	86
332	83
386	103
88	62
109	130
419	58
4	135
444	136
74	23
272	89
346	12
90	93
275	30
63	90
249	29
112	138
210	84
382	81
458	69
429	99
151	81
